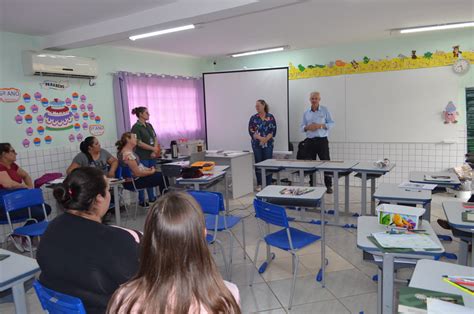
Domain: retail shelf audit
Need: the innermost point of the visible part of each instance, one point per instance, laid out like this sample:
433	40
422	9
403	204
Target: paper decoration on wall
56	85
44	102
26	97
96	129
450	113
34	108
58	117
415	60
9	94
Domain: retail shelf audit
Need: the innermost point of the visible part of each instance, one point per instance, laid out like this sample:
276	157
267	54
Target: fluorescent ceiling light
256	52
436	27
165	31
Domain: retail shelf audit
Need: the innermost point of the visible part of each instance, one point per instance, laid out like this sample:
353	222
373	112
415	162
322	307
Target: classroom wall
408	156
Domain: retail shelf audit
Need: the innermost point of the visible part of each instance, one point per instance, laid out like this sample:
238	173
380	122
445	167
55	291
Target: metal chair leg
292	292
224	258
255	262
243	238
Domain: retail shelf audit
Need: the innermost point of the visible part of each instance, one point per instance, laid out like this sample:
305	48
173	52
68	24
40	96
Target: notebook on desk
438	178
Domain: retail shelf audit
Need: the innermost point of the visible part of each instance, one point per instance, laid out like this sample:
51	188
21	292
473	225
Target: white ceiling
225	26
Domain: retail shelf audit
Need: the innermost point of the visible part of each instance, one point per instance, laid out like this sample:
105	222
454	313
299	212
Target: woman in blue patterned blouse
262	130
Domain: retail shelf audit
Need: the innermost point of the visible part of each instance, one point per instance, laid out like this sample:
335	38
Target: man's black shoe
329	190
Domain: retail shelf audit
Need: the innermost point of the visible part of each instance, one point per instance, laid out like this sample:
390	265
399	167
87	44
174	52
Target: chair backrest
22	199
271	213
123	172
58	303
209	202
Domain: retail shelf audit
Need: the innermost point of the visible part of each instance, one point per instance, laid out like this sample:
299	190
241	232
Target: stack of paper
438	178
416	186
414	241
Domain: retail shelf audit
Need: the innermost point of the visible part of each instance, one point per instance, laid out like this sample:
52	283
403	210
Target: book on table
438	178
410	240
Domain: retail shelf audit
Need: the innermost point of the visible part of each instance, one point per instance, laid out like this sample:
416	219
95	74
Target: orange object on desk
204	165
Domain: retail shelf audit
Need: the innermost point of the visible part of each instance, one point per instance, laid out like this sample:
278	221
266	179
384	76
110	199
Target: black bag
191	172
303	153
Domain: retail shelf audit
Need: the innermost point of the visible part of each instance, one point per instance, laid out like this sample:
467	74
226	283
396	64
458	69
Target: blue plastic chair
288	239
58	303
25	199
124	173
210	205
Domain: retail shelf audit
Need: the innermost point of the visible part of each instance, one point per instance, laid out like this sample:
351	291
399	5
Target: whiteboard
332	90
395	106
230	102
401	106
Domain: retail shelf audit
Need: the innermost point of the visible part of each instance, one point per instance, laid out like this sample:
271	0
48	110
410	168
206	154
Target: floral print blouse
263	127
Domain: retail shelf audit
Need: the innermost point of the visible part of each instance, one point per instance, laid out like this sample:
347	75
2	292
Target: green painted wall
110	59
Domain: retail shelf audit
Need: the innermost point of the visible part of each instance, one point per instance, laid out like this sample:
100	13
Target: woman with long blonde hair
177	273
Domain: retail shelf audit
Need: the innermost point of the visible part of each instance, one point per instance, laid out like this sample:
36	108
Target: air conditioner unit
47	64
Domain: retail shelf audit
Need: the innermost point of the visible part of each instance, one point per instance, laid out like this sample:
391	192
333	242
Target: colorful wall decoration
414	60
43	120
9	94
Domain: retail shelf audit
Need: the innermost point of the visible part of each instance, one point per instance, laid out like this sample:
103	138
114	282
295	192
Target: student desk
14	271
428	275
281	164
315	198
216	174
391	193
369	168
338	168
240	172
365	227
419	177
453	211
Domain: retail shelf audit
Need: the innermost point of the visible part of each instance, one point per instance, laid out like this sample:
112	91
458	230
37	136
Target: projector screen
229	99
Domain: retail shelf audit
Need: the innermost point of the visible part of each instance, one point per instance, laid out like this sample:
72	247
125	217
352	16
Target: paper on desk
415	241
416	186
438	178
436	306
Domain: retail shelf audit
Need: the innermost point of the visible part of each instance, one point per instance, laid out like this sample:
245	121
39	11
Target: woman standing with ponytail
80	256
262	130
148	148
92	155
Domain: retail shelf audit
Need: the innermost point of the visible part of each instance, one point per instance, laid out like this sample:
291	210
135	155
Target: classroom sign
9	94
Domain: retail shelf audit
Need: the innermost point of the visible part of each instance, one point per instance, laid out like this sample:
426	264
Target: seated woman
169	281
92	155
12	178
145	177
80	256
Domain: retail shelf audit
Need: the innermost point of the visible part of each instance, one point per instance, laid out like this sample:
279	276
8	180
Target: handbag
191	172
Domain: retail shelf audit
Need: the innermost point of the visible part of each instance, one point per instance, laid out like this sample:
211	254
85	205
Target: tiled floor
349	287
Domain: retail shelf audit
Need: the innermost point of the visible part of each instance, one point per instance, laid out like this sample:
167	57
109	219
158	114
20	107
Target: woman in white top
145	177
177	273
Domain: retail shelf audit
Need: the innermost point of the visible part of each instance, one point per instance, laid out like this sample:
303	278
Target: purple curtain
175	103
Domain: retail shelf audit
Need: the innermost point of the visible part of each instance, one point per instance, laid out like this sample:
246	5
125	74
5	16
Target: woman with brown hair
177	273
145	177
262	131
